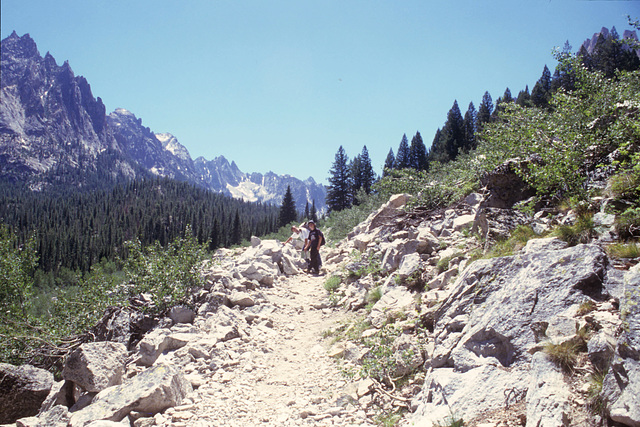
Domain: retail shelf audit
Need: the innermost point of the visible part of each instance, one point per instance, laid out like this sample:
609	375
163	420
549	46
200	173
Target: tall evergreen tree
214	237
541	93
355	175
418	153
313	213
236	234
402	156
485	110
388	163
367	175
611	54
524	98
288	212
501	102
470	128
452	137
307	212
339	195
437	152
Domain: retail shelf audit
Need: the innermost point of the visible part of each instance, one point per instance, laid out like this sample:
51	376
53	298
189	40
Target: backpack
319	235
322	241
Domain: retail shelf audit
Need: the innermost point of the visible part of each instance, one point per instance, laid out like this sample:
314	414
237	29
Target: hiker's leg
314	260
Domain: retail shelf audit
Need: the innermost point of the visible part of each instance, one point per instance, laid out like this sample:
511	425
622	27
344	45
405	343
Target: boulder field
416	328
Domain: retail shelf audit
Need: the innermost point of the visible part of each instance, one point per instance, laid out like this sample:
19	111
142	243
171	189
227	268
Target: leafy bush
42	325
442	185
574	136
340	223
169	275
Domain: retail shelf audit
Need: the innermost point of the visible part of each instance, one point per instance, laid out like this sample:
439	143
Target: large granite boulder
494	318
489	316
22	391
548	396
150	392
621	387
96	366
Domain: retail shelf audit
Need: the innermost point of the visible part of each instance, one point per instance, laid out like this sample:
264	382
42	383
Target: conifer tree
313	213
367	175
355	175
306	211
485	110
402	157
236	234
418	153
214	237
541	93
470	128
339	195
288	211
436	151
388	163
452	136
524	98
500	103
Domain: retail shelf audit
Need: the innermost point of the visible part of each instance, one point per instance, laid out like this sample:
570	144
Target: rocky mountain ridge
51	125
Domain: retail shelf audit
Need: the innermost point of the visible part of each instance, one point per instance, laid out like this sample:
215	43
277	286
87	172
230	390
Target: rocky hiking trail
254	347
282	374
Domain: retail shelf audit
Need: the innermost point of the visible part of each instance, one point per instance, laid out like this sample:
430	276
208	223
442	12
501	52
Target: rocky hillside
52	127
421	332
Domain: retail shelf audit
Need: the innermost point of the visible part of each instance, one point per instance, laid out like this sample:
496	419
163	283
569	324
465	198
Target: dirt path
281	374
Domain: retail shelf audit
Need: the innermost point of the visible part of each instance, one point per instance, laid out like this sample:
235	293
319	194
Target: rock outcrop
22	391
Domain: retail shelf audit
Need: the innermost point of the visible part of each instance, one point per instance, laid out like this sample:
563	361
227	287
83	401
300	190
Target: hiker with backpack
316	239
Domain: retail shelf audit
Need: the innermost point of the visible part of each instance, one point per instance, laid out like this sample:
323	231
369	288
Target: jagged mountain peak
50	120
171	144
20	47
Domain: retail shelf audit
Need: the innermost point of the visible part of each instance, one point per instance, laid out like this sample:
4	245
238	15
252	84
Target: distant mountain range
54	132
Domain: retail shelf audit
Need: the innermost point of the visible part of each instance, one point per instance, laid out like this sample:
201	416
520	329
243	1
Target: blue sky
280	85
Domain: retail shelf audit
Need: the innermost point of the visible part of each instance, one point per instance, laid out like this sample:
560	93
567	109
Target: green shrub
169	275
390	418
340	223
582	231
624	250
450	421
442	185
625	185
596	404
586	307
332	283
628	223
516	241
375	295
565	354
